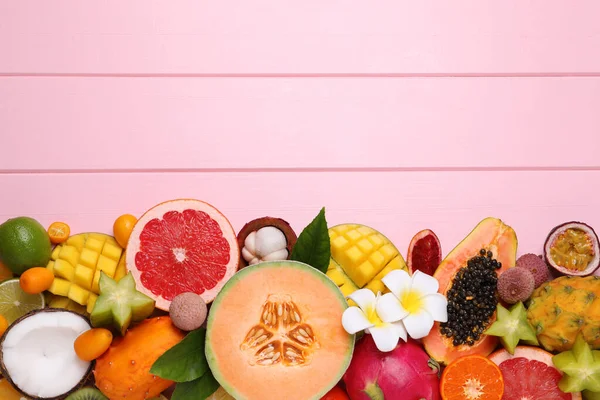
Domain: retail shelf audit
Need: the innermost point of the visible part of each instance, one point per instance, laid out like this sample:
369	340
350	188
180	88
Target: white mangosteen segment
266	244
39	356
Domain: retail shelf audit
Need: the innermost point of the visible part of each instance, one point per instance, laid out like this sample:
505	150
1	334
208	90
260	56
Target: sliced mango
77	263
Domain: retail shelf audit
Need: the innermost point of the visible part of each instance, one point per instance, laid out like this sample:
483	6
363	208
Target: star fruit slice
120	303
512	326
580	367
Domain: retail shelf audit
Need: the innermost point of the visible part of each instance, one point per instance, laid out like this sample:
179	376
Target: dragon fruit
405	373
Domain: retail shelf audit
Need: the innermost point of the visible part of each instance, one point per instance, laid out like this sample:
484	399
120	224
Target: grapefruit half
529	374
182	245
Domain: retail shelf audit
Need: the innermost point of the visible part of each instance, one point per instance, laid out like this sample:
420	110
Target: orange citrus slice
472	377
59	232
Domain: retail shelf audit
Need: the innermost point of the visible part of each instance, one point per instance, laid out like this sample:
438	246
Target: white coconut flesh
266	244
39	355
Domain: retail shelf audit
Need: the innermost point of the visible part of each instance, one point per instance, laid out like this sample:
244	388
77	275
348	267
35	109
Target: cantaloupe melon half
275	332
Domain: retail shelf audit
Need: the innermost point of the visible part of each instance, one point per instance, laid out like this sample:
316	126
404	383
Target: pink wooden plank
214	123
266	37
397	203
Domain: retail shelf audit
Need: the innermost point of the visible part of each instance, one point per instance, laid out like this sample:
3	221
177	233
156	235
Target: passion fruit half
573	249
265	239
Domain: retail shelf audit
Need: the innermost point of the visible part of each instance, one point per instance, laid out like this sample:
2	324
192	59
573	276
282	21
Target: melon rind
232	283
180	205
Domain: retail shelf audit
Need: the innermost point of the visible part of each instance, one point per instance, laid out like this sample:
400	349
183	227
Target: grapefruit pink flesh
182	246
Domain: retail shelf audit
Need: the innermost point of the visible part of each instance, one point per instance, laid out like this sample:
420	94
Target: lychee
515	284
188	311
536	265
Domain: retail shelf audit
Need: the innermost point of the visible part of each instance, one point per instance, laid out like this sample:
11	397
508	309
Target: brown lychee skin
188	311
515	284
537	266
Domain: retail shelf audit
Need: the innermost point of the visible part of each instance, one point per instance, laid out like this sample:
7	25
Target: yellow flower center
411	301
373	317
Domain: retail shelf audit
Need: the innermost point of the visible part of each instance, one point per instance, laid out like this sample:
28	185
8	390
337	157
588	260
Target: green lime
24	243
14	302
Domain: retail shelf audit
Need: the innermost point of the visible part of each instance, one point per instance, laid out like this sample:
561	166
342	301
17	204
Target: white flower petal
437	305
354	320
389	308
385	337
425	284
418	324
400	329
364	298
397	281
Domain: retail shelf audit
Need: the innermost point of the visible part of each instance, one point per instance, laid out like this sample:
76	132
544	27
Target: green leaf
198	389
185	361
313	246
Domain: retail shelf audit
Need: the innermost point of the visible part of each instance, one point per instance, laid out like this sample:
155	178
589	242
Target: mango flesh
77	263
491	234
360	257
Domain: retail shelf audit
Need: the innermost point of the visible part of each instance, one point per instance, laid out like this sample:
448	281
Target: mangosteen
265	239
37	355
572	249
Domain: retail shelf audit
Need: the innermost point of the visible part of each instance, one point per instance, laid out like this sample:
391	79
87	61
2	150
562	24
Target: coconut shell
259	223
6	374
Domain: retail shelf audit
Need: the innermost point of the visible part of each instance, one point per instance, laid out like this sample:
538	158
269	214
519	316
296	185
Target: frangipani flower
372	316
416	298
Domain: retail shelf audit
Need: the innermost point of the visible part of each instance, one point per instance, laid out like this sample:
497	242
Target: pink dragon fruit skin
405	373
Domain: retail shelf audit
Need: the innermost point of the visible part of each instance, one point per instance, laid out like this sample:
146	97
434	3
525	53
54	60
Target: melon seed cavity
280	337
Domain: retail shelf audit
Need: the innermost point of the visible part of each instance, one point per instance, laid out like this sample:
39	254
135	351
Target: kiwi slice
120	303
87	393
512	326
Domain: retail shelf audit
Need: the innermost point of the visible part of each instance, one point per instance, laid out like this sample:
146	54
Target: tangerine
36	280
92	343
123	227
5	273
472	377
59	232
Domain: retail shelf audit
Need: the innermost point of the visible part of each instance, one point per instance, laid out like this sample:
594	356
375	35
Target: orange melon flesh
491	234
240	309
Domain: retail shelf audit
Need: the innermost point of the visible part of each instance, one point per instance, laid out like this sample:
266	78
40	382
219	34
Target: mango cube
121	270
55	253
96	281
89	258
60	287
91	302
78	294
84	276
111	251
95	244
107	265
76	241
64	269
70	254
50	266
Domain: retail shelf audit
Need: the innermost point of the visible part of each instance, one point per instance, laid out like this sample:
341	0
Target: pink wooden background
398	114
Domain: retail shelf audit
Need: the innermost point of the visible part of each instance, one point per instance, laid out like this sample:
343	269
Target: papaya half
467	277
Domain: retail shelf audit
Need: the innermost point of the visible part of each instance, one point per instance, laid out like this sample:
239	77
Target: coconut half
572	249
37	353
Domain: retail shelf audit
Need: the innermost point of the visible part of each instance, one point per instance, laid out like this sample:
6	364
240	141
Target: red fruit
182	246
530	374
424	252
406	372
337	393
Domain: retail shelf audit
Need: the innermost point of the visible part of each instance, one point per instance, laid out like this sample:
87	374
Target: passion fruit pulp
573	249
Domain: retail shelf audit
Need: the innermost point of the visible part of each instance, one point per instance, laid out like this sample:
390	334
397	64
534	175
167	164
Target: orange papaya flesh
493	235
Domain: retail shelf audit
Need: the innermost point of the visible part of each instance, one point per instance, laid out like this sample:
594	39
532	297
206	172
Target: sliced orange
472	377
59	232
